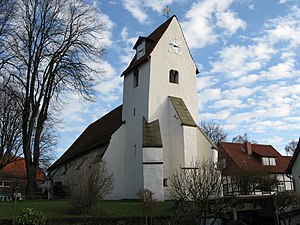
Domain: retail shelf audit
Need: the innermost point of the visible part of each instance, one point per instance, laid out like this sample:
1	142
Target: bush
31	217
88	185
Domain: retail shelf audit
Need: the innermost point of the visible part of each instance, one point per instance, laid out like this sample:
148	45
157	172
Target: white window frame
2	183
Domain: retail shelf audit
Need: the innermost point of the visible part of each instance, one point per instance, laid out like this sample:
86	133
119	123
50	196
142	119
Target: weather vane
166	12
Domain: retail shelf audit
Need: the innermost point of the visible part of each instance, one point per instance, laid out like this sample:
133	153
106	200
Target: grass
62	209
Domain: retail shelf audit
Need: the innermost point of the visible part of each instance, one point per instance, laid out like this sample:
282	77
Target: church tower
160	109
155	132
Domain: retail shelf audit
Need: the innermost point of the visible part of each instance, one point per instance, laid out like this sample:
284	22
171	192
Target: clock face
140	51
175	46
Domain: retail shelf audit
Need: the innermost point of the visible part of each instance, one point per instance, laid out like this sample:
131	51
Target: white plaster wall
153	180
160	107
204	148
152	155
114	157
190	145
162	61
134	98
153	171
296	174
172	135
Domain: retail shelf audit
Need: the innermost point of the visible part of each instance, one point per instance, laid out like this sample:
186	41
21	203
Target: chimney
248	148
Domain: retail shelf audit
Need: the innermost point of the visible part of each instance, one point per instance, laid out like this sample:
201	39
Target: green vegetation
62	209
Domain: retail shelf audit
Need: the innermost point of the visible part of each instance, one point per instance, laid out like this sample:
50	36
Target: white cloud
220	115
138	8
282	70
204	17
244	81
285	29
232	103
205	82
238	60
110	88
135	8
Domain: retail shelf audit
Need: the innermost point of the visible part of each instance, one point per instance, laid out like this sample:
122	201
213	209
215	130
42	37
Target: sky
247	52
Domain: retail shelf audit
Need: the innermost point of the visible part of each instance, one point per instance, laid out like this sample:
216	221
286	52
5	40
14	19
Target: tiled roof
238	156
96	134
295	155
152	40
17	169
151	134
182	111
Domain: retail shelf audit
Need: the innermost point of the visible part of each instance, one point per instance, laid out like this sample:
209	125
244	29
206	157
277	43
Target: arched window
174	76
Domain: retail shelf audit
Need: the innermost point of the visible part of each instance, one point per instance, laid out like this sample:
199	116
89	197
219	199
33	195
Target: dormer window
140	51
268	161
173	76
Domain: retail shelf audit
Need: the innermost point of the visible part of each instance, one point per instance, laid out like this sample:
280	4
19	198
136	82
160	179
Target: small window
4	184
272	161
268	161
134	112
174	76
135	78
165	182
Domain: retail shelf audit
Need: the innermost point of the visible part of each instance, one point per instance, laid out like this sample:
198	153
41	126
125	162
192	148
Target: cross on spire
166	12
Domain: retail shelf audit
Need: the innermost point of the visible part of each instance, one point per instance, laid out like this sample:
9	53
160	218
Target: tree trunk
31	181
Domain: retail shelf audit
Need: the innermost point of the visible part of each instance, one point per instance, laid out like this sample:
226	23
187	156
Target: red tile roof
238	156
17	169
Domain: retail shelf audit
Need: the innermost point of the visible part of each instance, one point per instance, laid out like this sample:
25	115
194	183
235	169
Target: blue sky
247	52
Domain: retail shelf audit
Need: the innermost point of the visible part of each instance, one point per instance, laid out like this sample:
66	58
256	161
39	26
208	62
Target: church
155	131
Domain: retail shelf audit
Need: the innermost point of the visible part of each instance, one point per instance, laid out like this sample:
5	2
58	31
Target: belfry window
173	76
135	78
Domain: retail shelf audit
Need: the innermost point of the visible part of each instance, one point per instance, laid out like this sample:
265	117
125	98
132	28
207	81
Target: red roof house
255	156
13	178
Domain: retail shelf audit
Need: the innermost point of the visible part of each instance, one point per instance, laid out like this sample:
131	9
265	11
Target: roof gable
239	157
151	42
96	134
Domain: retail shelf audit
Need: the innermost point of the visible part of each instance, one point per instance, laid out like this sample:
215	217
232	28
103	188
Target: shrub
31	217
88	185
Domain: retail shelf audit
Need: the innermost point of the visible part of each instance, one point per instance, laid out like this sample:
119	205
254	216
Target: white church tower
160	110
155	132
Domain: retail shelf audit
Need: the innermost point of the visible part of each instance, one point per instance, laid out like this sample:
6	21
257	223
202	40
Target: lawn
62	209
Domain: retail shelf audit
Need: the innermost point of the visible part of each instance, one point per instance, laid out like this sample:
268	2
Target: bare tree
89	185
56	49
287	204
242	138
8	8
214	131
291	147
248	180
197	190
148	203
10	126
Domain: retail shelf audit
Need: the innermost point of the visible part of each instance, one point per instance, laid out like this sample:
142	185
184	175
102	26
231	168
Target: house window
135	78
174	76
268	161
4	184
